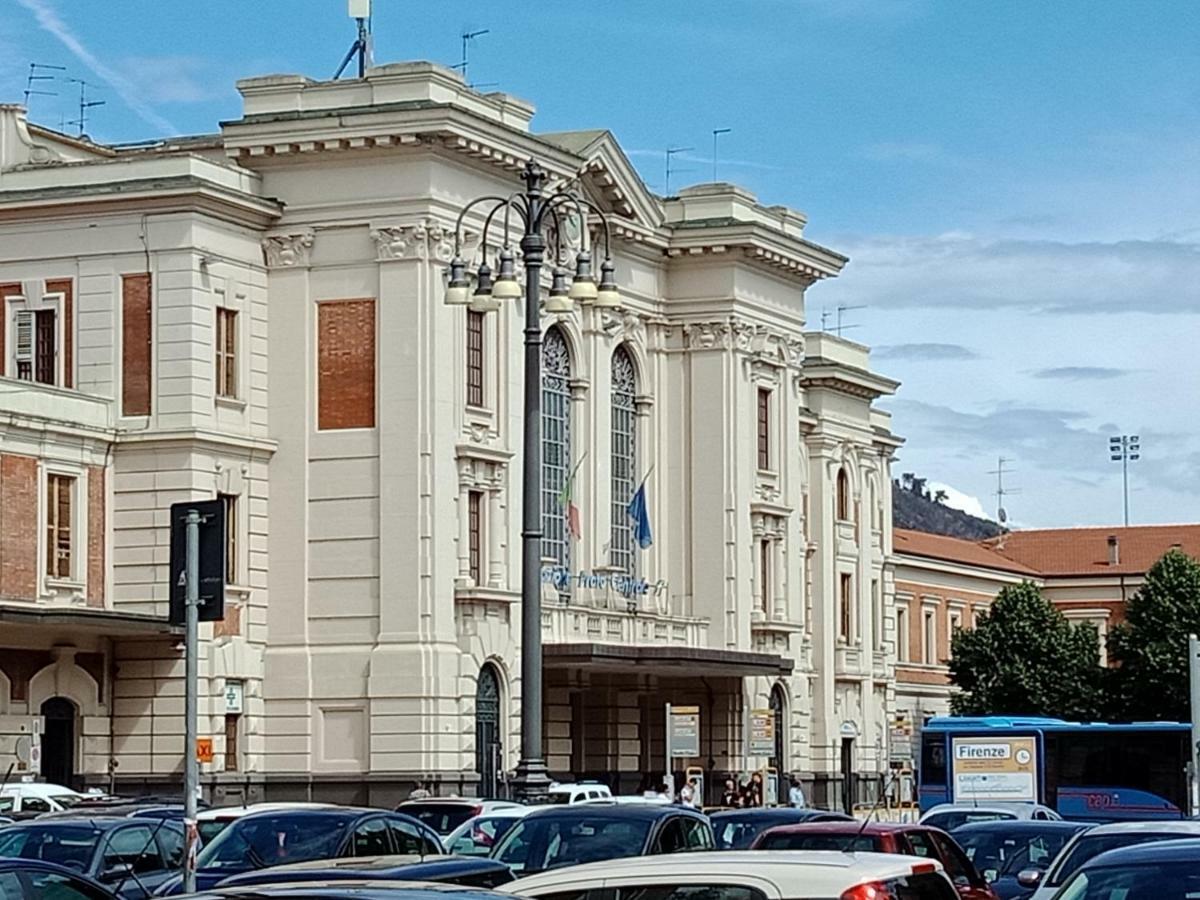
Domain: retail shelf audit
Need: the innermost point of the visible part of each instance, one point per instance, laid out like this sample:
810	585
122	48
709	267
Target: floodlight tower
1125	448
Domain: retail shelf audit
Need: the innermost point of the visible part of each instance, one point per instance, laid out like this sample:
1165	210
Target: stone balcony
569	622
29	405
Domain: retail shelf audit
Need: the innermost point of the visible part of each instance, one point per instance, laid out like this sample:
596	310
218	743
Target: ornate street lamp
543	217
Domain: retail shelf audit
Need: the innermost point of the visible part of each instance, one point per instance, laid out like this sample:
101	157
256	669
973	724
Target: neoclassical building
257	315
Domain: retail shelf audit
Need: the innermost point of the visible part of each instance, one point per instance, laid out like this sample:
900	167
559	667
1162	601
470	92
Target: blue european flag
641	517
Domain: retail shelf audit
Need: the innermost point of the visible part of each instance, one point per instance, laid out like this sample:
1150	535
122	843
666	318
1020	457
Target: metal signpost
197	592
1194	694
683	735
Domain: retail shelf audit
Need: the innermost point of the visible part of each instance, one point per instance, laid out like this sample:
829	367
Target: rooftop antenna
34	68
671	151
838	328
360	12
1001	491
467	36
84	105
717	132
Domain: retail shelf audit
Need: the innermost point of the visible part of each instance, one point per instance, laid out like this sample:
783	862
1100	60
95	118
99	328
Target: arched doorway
58	741
779	708
487	731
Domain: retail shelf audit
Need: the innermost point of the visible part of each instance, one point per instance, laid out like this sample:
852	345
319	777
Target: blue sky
1016	183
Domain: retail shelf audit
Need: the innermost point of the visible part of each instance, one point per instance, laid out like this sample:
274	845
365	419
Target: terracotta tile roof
971	553
1076	552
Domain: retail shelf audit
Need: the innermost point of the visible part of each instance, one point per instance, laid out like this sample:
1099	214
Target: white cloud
957	499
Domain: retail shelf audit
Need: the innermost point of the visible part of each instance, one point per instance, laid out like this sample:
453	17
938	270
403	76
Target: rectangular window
846	608
59	500
930	637
346	364
902	636
231	537
231	742
474	358
36	339
764	576
955	623
764	429
226	357
475	535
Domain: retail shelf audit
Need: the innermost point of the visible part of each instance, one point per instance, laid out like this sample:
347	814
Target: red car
883	837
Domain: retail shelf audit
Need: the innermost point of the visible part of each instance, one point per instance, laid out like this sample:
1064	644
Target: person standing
730	798
687	794
796	794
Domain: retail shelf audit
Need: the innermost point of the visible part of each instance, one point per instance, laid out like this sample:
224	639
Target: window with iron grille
556	450
475	535
231	537
624	460
226	357
764	429
59	497
846	615
474	358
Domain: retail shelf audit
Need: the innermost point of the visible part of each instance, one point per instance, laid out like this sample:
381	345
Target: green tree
1149	649
1024	658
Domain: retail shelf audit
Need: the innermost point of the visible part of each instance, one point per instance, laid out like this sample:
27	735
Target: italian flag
568	504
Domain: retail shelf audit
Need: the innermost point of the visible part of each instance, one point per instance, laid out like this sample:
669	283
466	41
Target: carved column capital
287	250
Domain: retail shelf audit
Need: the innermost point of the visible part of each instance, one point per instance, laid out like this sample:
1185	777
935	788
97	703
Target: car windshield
997	853
441	817
210	829
1092	845
258	841
479	836
1157	881
70	846
540	843
816	841
948	821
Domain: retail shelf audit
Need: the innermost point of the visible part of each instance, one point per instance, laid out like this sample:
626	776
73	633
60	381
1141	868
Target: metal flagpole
191	769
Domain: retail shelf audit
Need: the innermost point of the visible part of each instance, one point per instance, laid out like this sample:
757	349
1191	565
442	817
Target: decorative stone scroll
287	250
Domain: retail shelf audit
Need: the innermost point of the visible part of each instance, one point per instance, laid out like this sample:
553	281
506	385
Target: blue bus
1086	771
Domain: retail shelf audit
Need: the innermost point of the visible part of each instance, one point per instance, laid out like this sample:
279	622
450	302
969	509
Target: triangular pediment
609	177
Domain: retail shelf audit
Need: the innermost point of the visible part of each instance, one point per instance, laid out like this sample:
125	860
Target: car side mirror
1029	878
118	872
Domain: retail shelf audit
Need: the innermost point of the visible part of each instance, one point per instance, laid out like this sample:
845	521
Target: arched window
556	451
779	708
843	496
624	459
487	731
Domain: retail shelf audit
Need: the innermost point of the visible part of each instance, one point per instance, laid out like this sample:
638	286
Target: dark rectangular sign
212	559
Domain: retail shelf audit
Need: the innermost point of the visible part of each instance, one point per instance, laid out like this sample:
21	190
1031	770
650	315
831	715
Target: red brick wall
135	344
231	625
66	287
18	527
346	364
6	291
96	533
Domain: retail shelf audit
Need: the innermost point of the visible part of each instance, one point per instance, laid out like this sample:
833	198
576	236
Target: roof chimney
1114	550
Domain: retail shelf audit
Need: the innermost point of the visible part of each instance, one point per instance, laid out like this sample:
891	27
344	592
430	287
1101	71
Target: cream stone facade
373	640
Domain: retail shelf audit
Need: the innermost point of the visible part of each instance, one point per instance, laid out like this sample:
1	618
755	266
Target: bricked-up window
231	742
346	364
135	345
474	358
60	491
475	535
764	428
226	354
764	576
845	608
230	502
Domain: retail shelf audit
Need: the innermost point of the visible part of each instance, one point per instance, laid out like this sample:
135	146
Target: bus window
933	759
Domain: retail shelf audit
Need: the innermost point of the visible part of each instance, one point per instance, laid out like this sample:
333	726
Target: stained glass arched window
623	466
556	449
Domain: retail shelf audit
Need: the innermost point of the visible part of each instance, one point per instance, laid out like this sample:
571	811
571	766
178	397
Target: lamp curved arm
507	204
563	198
490	198
603	221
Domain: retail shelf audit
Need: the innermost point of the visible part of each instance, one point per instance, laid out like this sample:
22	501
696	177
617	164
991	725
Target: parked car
444	814
263	839
32	798
484	873
555	836
1165	870
883	837
1001	850
948	816
124	809
130	857
742	875
478	836
1100	839
33	878
580	792
348	890
736	829
212	822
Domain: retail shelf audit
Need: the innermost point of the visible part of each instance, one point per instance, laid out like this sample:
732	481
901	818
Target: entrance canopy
83	620
665	659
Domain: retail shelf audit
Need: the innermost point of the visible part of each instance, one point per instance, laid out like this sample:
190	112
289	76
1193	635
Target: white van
580	792
30	798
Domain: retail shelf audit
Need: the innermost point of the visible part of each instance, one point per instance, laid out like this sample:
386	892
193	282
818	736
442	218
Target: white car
211	822
581	792
477	836
769	874
30	798
948	816
445	814
1094	841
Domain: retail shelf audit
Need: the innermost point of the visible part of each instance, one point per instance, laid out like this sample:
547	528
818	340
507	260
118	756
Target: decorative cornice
762	343
283	251
427	239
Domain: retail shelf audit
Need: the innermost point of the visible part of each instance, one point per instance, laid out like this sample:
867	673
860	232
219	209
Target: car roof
236	812
990	806
96	823
384	890
1022	826
1154	853
39	789
457	801
612	810
821	870
776	813
1159	826
850	827
383	863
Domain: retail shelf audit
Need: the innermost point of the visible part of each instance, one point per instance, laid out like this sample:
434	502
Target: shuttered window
59	498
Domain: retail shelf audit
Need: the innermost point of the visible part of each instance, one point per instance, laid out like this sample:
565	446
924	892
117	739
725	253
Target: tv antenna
671	151
838	327
360	12
467	37
717	132
34	69
1001	491
84	105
